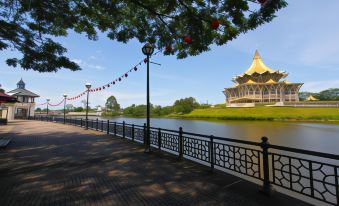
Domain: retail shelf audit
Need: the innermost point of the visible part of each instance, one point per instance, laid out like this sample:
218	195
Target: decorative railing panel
154	137
311	178
119	130
170	141
243	160
139	134
197	148
128	132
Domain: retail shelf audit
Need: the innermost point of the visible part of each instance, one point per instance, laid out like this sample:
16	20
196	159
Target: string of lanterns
105	86
55	105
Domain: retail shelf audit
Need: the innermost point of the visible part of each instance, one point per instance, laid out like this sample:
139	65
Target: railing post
115	128
107	127
145	134
181	144
266	189
212	152
159	138
97	125
132	132
102	125
123	129
80	122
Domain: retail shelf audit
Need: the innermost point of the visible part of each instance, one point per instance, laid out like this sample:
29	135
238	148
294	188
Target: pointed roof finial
21	84
256	55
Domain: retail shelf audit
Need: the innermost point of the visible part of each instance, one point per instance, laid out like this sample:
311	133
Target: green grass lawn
266	113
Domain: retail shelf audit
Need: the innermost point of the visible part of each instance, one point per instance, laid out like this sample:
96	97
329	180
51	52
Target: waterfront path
54	164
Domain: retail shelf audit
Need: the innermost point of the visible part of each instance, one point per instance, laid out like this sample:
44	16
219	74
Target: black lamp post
47	100
65	97
88	86
148	50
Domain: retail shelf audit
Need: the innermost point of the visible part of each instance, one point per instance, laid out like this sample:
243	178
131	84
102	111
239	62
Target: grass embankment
265	113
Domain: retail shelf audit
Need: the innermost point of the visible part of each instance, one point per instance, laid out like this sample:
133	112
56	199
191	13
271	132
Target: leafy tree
329	94
84	102
2	90
129	110
79	109
112	104
326	95
69	107
181	27
38	109
185	105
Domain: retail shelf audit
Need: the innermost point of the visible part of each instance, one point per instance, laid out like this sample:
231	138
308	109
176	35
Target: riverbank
329	115
264	113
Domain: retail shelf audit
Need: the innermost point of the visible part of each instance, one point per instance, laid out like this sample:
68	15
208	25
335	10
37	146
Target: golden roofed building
260	83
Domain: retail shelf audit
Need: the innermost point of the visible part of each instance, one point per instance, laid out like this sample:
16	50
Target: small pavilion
24	106
311	98
259	83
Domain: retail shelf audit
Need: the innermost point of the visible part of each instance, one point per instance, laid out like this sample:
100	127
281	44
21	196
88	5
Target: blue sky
303	40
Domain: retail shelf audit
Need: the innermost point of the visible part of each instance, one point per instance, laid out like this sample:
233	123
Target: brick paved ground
54	164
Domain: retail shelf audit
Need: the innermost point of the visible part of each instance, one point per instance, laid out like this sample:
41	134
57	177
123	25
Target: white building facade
25	105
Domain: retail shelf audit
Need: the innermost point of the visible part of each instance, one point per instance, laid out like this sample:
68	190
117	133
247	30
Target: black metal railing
311	174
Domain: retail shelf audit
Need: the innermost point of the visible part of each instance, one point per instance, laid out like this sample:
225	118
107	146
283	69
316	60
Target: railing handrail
303	151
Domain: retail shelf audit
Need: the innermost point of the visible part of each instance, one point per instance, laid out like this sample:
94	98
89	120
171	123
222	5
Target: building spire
21	84
256	55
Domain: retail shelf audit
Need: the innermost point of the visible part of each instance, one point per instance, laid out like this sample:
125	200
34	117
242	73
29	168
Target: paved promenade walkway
54	164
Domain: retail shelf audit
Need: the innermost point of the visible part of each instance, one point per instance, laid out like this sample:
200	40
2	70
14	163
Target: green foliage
135	110
38	109
266	113
69	107
2	90
140	110
112	104
185	105
78	109
331	94
27	26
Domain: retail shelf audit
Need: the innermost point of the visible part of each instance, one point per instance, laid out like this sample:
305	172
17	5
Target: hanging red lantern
215	24
103	87
126	75
169	48
119	79
113	82
262	1
187	39
108	85
135	68
145	60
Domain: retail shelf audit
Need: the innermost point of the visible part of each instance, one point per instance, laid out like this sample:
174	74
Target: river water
319	137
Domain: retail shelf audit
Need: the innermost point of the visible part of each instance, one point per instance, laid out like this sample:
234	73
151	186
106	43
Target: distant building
261	84
311	98
25	105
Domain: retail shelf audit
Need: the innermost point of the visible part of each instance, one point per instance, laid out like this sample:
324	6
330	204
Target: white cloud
318	86
87	65
93	57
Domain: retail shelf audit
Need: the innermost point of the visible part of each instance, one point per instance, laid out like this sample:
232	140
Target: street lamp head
148	49
48	100
88	85
64	95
